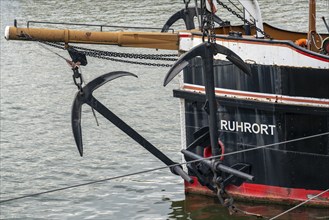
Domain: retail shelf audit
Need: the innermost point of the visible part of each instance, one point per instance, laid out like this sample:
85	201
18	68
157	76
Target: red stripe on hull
265	193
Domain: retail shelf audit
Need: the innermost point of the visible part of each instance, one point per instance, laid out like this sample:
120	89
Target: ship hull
259	193
284	108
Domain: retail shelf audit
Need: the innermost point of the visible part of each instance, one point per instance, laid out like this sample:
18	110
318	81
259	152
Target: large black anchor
213	169
207	51
188	15
85	96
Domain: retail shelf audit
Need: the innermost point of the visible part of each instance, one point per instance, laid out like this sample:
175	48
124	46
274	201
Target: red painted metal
207	150
264	193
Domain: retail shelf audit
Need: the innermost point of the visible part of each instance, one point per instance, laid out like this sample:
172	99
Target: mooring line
268	145
83	184
159	168
300	204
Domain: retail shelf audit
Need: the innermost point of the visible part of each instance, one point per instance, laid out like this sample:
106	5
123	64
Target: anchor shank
210	95
99	107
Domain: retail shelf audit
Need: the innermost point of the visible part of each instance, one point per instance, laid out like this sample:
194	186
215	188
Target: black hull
300	164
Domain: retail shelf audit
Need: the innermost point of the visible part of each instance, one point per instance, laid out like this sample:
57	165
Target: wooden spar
168	41
312	16
311	23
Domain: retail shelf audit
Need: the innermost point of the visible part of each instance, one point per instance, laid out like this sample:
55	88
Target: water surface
38	152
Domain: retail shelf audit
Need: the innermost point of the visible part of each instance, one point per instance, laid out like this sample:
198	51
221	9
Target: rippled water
38	152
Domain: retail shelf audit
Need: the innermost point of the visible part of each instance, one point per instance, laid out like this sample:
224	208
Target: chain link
227	200
243	19
208	25
224	198
77	78
212	25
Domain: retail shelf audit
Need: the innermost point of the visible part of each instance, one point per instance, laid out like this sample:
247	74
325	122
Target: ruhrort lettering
247	127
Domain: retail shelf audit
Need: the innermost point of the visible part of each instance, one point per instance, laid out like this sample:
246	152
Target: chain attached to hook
78	81
77	76
208	23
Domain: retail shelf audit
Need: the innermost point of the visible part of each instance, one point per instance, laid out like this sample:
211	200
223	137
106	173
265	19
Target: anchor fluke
76	122
182	62
84	96
101	80
233	57
188	15
175	69
239	63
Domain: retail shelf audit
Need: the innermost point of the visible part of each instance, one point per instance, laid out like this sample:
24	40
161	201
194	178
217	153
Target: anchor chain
165	57
100	56
212	29
224	198
112	56
78	81
77	77
243	19
227	200
208	26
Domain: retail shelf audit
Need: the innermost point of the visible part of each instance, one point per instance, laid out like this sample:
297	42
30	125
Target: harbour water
38	152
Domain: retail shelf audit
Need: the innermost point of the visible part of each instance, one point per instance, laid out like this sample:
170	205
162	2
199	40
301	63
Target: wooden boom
167	41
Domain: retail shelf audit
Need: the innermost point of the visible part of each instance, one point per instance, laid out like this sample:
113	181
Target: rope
43	46
159	168
295	207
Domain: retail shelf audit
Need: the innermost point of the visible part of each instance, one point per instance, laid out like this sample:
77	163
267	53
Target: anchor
207	51
84	95
211	172
188	15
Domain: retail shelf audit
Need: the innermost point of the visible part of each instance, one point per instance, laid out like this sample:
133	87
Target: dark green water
38	152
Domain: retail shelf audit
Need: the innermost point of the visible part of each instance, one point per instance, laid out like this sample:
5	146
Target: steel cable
300	204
